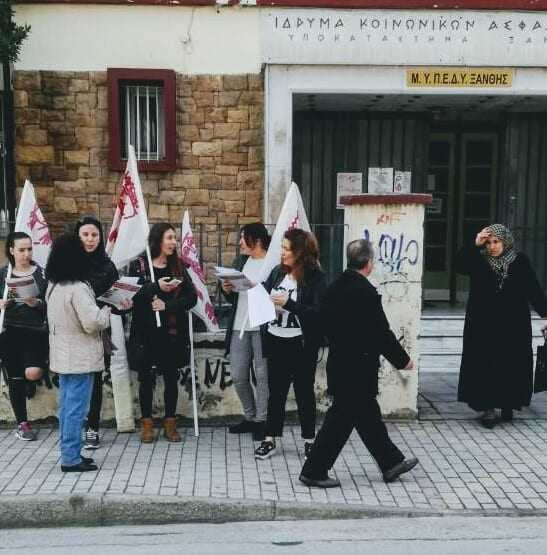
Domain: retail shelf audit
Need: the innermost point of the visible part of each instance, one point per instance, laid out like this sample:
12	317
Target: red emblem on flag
36	220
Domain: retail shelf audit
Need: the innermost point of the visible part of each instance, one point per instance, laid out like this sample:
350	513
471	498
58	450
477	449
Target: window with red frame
142	113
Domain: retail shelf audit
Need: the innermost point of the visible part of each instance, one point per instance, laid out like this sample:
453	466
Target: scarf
500	264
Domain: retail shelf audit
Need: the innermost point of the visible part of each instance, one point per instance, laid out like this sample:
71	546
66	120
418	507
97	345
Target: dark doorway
462	178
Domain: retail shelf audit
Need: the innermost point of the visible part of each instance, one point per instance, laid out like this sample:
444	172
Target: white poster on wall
402	182
348	184
380	181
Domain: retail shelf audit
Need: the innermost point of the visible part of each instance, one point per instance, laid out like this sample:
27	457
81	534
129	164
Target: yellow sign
477	77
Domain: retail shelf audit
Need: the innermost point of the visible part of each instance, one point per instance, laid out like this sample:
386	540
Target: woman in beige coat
75	343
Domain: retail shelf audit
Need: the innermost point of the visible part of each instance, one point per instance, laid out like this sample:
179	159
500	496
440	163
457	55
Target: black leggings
170	394
25	348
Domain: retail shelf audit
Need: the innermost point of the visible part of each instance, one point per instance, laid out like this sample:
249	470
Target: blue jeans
74	397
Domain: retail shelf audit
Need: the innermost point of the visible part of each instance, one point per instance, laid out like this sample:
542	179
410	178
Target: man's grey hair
358	253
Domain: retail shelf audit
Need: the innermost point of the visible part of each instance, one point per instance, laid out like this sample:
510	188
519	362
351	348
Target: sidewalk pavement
463	469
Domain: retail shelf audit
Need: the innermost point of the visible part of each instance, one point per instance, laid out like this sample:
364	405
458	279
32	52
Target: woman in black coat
496	369
165	348
292	341
103	274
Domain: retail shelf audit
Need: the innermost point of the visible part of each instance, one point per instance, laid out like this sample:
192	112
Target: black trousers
96	403
289	362
346	413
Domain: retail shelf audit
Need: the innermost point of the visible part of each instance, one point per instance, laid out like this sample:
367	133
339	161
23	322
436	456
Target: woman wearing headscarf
102	274
496	367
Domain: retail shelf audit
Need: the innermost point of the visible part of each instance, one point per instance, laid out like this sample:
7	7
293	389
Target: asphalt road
390	536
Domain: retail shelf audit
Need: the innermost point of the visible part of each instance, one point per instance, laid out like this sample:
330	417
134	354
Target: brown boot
147	430
170	429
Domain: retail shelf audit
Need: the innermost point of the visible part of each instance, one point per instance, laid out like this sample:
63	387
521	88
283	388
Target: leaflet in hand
122	290
22	288
239	280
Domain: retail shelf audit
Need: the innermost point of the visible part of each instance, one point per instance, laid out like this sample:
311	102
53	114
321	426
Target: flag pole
193	375
153	278
144	221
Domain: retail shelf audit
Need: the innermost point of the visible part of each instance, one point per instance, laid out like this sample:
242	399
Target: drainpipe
9	143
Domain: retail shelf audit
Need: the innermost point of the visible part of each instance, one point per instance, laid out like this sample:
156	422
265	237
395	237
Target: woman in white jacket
75	343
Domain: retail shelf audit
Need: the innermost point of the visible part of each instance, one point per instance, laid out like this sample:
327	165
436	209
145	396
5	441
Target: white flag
129	232
30	220
292	216
204	308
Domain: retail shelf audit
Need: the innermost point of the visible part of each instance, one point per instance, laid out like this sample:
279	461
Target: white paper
348	184
380	180
123	289
401	182
239	280
22	288
261	307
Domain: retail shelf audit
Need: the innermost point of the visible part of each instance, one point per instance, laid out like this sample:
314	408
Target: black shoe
265	450
259	431
87	460
404	466
307	448
80	467
326	482
507	415
244	427
489	419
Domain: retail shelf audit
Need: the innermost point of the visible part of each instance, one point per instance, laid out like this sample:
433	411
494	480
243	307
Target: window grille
143	121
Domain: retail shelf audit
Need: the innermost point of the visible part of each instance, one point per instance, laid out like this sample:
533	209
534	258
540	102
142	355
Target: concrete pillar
394	225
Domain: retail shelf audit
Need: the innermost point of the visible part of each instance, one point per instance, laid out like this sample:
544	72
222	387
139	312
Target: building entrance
480	157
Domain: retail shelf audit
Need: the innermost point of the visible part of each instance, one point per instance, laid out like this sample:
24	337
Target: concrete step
453	327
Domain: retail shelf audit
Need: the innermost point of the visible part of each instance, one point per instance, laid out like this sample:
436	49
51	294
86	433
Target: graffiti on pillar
395	254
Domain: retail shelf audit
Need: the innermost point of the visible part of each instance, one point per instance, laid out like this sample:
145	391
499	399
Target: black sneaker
91	439
244	427
307	449
259	431
265	450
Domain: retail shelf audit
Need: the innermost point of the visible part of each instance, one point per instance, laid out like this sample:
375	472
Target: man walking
358	333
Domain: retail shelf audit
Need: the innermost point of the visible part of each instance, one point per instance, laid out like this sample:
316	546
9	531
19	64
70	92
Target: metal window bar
145	121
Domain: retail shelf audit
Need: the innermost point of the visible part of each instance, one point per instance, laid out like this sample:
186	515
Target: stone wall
62	145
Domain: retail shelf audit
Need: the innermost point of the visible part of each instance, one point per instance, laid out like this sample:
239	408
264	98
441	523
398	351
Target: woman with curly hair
76	351
293	339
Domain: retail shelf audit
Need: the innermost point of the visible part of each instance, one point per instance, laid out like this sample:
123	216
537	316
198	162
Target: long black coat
496	368
358	333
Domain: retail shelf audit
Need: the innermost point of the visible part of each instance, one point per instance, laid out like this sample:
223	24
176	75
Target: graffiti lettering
211	376
395	252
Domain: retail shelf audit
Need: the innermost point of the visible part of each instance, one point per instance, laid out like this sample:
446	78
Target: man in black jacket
358	333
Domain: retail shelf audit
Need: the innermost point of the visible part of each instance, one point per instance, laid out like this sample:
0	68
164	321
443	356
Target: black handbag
540	376
136	352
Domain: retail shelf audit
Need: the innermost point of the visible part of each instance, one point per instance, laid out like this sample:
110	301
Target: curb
115	510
